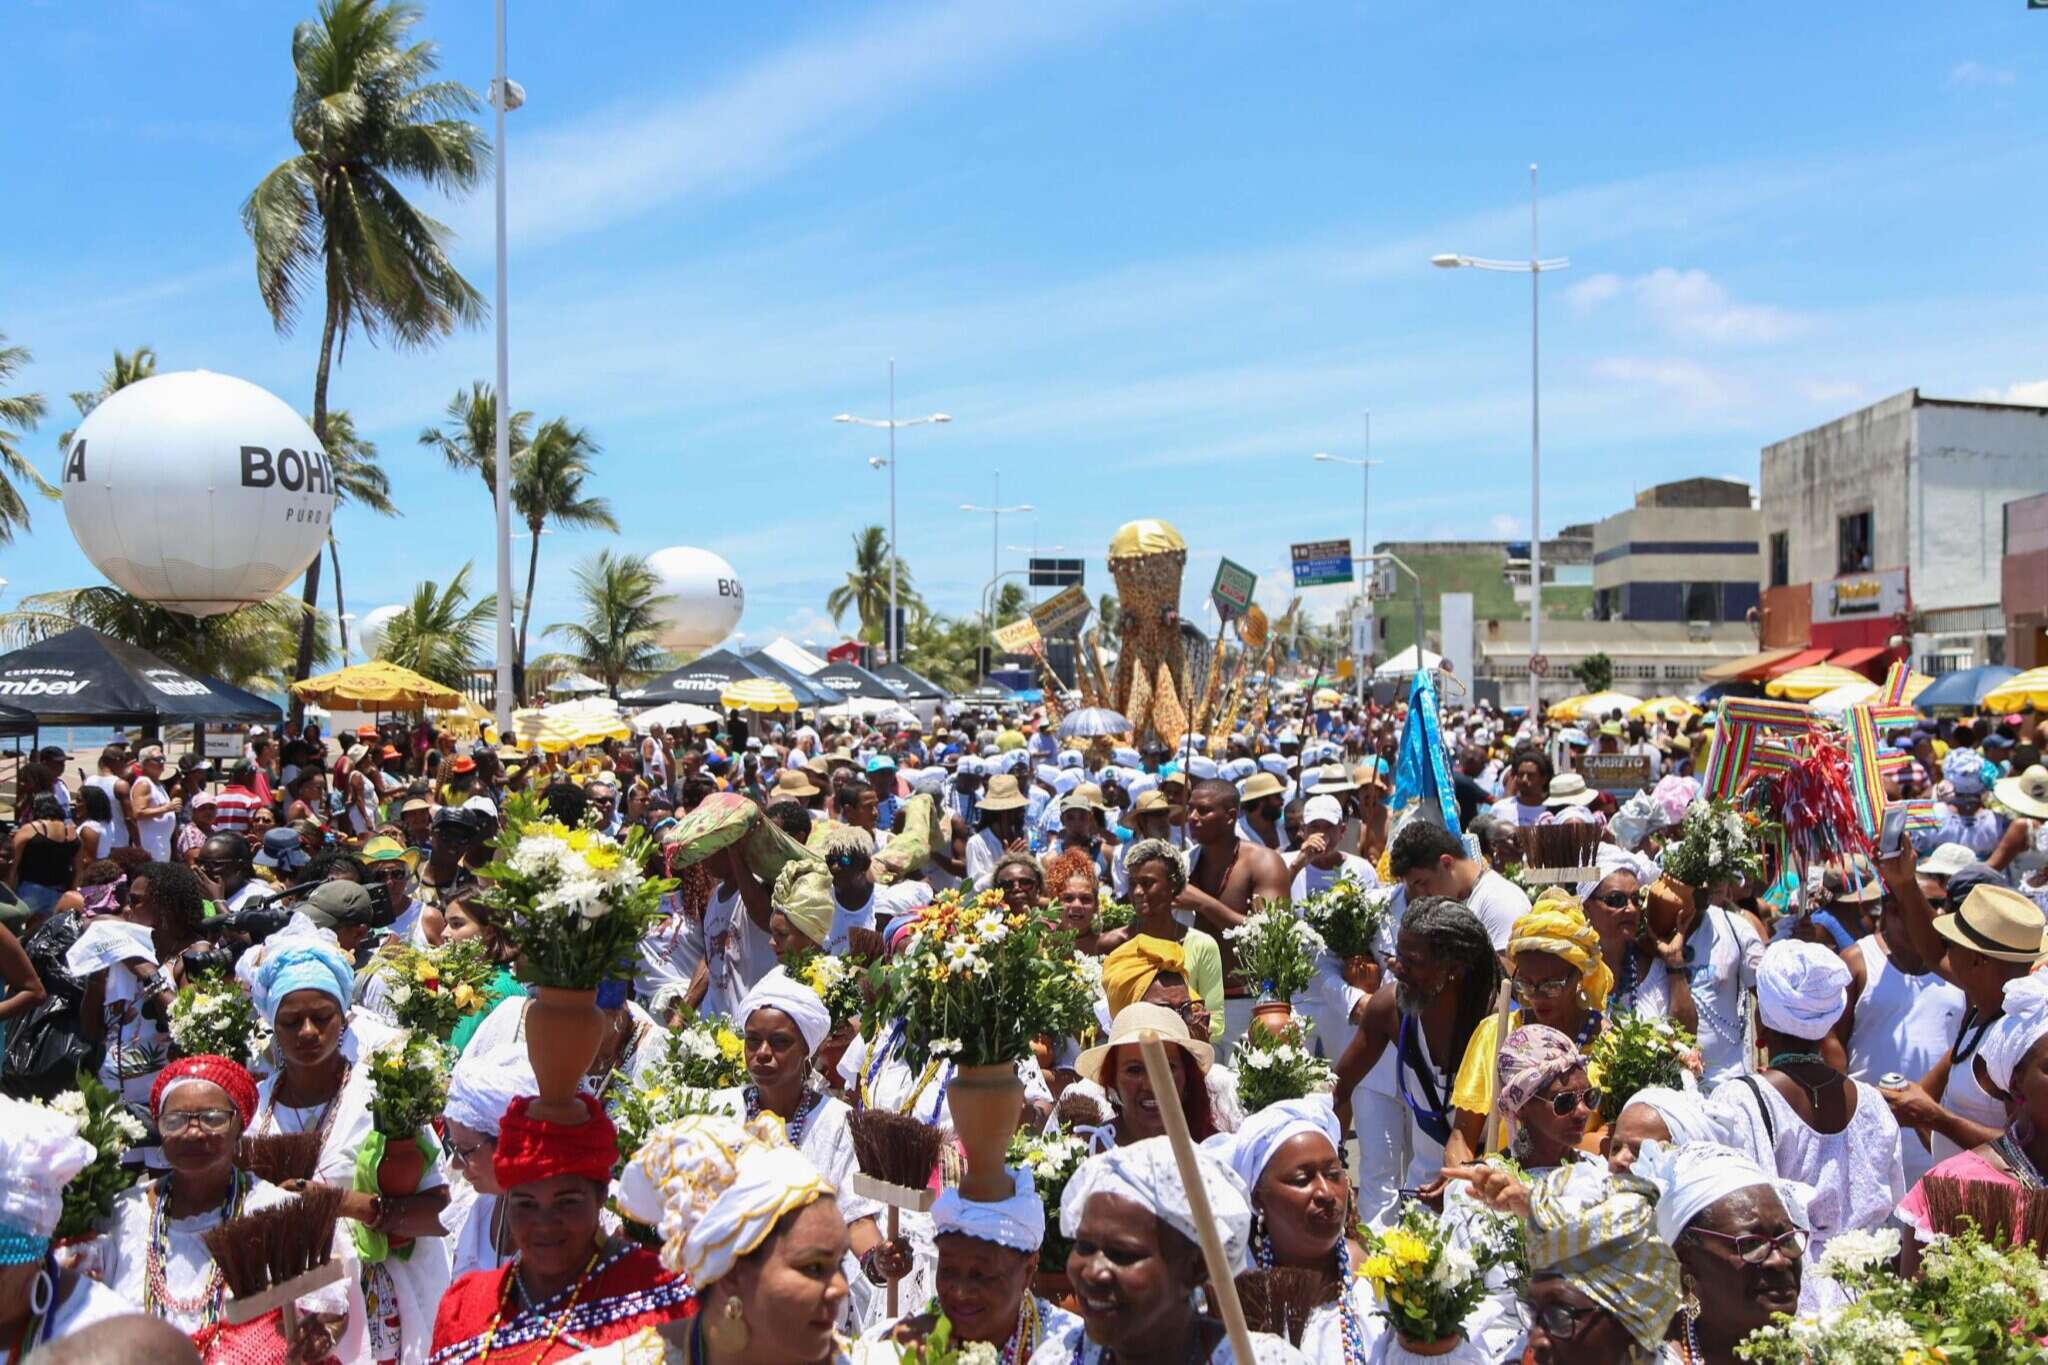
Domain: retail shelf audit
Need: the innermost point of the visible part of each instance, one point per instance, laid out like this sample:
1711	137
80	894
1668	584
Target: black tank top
46	861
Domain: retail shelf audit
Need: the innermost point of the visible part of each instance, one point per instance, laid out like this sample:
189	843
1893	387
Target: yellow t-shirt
1474	1088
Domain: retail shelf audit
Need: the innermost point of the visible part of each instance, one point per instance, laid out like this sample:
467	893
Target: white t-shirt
737	952
1313	880
883	904
1509	811
984	851
1499	903
153	832
118	826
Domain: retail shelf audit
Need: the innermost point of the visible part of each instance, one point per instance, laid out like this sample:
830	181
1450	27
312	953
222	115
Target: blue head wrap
304	966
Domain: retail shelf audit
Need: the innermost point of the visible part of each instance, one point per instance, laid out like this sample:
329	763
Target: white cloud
2033	392
1694	385
1505	527
1591	292
1980	73
1688	303
1831	390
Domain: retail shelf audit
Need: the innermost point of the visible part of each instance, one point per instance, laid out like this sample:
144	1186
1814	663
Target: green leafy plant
938	1348
1636	1051
977	983
1277	1065
1717	842
106	1123
1348	916
434	989
212	1015
657	1097
573	901
1114	913
1426	1283
1052	1158
408	1084
837	981
1276	950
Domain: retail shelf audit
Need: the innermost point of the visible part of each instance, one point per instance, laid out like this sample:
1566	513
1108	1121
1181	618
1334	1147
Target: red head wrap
531	1149
225	1072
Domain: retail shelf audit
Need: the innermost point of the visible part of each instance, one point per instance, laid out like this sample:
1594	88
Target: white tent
576	684
1835	705
1403	664
790	654
676	713
867	708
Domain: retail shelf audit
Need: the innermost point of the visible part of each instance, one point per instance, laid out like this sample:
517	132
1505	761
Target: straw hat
1147	803
1002	794
1086	796
1996	921
1570	789
794	782
1333	779
2026	794
1125	1028
1260	785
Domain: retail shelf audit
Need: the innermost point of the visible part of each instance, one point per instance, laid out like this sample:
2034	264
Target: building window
1702	602
1781	558
1852	544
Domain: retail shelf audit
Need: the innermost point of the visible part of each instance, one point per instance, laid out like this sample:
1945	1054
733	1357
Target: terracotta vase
1442	1346
1666	904
986	1103
563	1029
402	1167
1273	1016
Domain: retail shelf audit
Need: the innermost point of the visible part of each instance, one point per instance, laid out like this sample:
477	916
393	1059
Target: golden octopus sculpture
1146	558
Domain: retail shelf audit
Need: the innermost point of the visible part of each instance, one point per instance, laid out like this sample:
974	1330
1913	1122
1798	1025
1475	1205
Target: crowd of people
1857	1032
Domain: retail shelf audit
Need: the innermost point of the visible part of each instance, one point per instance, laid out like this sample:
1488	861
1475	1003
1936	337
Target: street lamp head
876	462
844	417
1447	261
1323	455
515	94
1027	507
942	417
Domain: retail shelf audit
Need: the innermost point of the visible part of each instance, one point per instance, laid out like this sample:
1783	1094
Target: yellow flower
426	972
1405	1247
466	998
1378	1268
729	1045
602	858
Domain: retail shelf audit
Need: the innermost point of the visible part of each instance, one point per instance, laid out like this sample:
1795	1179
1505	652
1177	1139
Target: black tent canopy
809	691
852	680
15	721
82	677
702	681
908	685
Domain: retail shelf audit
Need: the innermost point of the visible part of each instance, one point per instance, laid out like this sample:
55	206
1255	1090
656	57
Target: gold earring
1690	1304
727	1332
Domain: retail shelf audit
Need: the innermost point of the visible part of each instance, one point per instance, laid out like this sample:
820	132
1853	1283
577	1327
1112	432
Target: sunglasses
1539	990
1755	1249
1616	900
1561	1322
1565	1101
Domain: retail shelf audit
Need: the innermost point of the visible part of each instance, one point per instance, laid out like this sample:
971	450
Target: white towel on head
1801	988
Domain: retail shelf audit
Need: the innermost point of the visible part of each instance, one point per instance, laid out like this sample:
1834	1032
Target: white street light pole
1534	267
995	542
505	95
889	640
1365	468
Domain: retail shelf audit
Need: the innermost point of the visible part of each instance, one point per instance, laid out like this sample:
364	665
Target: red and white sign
1539	664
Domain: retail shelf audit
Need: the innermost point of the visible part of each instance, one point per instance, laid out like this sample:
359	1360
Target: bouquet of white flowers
1348	916
1636	1051
1717	842
1426	1283
211	1015
573	901
1276	1065
837	982
1052	1158
106	1123
1276	951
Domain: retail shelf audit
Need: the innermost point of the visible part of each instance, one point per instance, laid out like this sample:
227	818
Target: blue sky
1149	255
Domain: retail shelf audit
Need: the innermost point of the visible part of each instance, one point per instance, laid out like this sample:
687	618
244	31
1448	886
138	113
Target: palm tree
358	478
547	486
866	589
471	440
1011	602
441	632
20	412
621	615
128	368
251	646
333	218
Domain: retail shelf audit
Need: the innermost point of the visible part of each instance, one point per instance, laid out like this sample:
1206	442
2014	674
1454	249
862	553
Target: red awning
1805	658
1748	666
1856	658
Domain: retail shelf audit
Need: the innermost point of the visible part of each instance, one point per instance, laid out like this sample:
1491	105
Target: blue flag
1420	772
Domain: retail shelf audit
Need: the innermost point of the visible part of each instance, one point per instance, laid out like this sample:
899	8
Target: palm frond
253	646
440	633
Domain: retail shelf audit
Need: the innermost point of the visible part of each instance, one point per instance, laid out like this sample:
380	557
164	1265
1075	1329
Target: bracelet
867	1265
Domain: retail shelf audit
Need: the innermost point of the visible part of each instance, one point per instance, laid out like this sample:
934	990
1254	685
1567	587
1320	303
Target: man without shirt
1226	874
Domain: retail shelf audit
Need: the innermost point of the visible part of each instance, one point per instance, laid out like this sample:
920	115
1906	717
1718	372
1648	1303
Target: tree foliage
251	647
469	439
1595	672
441	632
621	614
866	590
129	367
19	414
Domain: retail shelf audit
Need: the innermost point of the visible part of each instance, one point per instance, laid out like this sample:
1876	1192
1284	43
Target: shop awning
1749	665
1855	658
1805	658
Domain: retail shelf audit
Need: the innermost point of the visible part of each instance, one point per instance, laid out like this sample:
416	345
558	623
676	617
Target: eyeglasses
465	1155
1560	1322
1539	990
1565	1101
1017	884
1755	1249
206	1120
1615	900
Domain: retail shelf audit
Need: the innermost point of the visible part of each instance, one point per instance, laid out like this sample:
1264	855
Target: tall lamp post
995	545
506	96
1365	468
1535	268
890	424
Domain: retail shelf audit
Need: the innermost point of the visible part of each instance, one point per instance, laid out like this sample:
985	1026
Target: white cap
1322	810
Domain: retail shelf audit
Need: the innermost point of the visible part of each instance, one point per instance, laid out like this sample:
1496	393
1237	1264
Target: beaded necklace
504	1302
799	1122
1353	1322
2022	1166
269	1120
157	1298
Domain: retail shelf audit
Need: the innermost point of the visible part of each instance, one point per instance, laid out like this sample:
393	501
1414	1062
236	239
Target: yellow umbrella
1598	705
465	721
1327	697
1568	708
758	694
570	725
1665	708
1804	684
378	686
2027	689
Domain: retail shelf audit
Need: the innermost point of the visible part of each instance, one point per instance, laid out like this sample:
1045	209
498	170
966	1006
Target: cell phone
1892	833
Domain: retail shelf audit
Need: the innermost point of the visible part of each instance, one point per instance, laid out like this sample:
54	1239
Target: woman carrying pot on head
1649	974
39	1301
782	1022
323	1085
152	1252
748	1221
1740	1235
986	1255
1559	980
480	1089
570	1287
1290	1157
1137	1263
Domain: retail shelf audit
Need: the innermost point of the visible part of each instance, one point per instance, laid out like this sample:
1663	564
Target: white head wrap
715	1188
1683	1112
1696	1175
483	1085
1247	1150
1275	764
928	781
1203	769
1801	988
1609	859
2024	1023
40	1150
1145	1173
780	991
1017	1222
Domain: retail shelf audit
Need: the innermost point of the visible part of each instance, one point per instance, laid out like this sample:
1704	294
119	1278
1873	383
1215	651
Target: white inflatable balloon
199	492
371	628
702	595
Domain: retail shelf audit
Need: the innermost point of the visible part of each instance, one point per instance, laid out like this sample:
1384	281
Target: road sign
1232	590
1319	563
1539	664
1018	636
1060	616
1057	573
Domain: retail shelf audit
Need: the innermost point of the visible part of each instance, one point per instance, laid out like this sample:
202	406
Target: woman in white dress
986	1255
1649	977
758	1232
41	1301
303	986
480	1089
1806	1121
152	1252
1137	1262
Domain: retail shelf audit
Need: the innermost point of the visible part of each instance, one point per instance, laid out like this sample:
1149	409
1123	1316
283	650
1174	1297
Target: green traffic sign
1232	590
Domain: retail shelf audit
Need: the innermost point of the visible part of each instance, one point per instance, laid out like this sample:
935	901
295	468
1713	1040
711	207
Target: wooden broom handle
1222	1284
1492	1132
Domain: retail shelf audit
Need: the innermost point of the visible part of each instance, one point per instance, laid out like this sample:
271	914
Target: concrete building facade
1687	551
2024	582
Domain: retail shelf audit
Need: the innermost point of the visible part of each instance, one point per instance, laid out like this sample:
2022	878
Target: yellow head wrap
1129	972
1556	924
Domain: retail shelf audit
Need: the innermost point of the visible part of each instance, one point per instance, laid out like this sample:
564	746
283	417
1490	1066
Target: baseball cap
336	903
1946	860
205	799
483	805
1322	810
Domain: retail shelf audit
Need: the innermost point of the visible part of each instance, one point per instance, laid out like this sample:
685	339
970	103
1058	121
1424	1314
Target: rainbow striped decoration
1744	742
1866	771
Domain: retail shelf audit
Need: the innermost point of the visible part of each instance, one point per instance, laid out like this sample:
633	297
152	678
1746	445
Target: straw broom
1281	1300
280	1157
896	1154
272	1258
